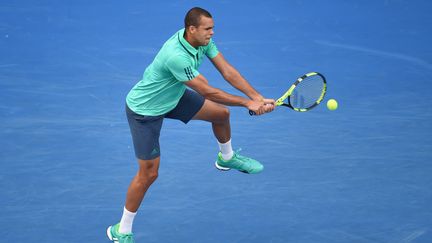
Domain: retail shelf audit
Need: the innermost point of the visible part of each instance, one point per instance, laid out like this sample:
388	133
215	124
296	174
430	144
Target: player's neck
190	40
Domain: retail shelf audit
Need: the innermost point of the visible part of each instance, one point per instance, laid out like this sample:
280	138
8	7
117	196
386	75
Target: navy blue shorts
145	130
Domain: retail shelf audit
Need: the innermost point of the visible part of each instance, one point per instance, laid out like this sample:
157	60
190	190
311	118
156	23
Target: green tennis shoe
240	163
117	237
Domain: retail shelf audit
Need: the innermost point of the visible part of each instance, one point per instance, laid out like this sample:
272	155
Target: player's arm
233	76
200	85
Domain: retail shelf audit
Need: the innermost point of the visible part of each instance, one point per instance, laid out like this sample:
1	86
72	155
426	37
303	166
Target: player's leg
145	176
219	116
145	132
193	106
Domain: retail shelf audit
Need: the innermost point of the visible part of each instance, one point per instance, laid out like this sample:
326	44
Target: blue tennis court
362	173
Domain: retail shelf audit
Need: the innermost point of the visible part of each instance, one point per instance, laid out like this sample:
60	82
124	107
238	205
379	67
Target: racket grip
252	113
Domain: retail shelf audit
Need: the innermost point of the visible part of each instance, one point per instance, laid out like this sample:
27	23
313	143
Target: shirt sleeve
181	68
212	50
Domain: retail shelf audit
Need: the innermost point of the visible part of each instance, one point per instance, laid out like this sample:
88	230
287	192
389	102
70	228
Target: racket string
307	93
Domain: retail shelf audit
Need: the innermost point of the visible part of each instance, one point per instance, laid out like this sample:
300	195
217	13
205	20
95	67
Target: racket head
306	93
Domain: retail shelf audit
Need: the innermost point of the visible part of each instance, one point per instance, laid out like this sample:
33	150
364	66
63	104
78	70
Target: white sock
226	150
126	221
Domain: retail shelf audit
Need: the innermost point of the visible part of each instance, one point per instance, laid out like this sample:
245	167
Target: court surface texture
361	173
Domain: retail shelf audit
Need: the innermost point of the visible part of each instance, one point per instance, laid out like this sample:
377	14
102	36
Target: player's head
199	26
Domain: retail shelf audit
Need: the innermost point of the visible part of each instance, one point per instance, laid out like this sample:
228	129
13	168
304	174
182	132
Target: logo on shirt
189	73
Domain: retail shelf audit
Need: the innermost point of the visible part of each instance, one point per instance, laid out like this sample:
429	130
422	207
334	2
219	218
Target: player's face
204	31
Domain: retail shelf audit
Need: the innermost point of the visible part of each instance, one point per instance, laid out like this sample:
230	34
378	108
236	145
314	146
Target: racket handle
252	113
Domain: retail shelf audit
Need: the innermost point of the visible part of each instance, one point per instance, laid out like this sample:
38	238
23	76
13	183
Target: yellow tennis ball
332	104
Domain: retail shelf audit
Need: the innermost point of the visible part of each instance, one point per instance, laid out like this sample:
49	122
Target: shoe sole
221	167
110	235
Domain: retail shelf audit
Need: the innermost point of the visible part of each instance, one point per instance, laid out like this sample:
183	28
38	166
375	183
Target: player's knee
148	171
153	175
148	176
224	114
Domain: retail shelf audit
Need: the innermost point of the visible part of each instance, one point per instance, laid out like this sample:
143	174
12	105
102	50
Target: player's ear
192	29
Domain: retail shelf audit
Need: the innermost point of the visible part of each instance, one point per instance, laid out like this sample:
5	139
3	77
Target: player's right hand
269	105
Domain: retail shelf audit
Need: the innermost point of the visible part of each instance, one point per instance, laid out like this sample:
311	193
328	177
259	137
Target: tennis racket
305	94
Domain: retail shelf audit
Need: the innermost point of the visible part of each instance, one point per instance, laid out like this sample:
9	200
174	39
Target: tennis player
172	87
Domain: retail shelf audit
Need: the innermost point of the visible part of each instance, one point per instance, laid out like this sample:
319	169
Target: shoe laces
238	155
237	151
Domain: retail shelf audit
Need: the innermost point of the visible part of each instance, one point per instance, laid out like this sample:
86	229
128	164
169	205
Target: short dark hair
193	16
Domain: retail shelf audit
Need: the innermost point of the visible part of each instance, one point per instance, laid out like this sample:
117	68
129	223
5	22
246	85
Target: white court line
8	65
400	56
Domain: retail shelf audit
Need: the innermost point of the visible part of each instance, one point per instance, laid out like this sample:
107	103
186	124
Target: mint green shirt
162	85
